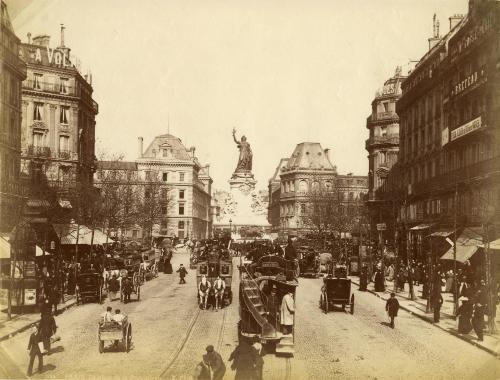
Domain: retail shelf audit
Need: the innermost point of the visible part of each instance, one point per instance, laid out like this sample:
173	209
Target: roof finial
62	35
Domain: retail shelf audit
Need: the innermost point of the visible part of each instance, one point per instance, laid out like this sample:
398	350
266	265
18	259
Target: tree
155	202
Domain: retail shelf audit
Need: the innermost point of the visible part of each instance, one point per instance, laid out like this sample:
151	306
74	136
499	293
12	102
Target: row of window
38	84
150	176
38	114
39	139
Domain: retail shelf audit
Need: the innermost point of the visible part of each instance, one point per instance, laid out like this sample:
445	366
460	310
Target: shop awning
68	234
420	227
464	253
468	243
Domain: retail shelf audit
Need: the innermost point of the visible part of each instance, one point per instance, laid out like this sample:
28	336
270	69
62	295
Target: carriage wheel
352	304
326	304
128	338
101	346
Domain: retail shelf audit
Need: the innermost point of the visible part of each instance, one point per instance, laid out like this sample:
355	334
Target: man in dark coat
182	273
216	363
272	307
478	320
34	350
437	302
363	278
290	252
47	328
379	281
392	307
244	361
127	289
464	314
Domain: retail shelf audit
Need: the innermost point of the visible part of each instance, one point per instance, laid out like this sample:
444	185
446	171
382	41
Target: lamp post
230	229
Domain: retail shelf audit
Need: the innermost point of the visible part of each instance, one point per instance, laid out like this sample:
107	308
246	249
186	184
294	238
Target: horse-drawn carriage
89	287
215	265
131	277
336	291
114	331
309	262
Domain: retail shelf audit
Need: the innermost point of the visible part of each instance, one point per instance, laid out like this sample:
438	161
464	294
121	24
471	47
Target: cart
336	291
114	331
89	287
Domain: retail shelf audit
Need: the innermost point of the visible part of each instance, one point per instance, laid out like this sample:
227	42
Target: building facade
304	180
448	168
12	73
58	127
383	147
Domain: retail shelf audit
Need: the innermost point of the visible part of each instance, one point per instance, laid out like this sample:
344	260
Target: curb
30	324
429	320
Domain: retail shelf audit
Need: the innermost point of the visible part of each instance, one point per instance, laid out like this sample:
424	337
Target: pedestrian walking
47	329
392	307
216	363
127	289
34	350
437	302
182	274
259	362
363	279
243	360
478	320
379	280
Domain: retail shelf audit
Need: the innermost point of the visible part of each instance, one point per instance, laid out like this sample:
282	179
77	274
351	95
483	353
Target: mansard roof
309	155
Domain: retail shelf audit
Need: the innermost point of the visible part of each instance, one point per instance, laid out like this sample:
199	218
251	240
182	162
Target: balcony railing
38	151
381	140
13	187
67	155
54	88
466	174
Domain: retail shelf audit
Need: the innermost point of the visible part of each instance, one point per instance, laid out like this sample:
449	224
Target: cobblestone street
170	334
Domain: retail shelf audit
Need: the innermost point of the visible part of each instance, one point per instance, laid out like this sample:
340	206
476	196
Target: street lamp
230	229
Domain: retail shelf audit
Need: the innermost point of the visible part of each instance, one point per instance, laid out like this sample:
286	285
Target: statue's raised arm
234	136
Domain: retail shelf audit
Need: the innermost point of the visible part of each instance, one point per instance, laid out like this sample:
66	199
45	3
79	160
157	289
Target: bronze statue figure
245	160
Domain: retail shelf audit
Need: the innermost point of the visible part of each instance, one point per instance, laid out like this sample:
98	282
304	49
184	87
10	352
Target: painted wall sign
54	56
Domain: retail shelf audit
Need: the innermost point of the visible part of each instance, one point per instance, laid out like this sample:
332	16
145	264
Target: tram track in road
184	342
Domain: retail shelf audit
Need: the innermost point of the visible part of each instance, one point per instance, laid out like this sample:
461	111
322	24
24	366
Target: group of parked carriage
132	269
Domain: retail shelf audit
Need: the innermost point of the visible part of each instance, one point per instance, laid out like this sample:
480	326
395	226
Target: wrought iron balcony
54	88
66	155
38	151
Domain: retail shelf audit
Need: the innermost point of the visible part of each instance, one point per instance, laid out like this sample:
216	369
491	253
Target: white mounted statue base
245	201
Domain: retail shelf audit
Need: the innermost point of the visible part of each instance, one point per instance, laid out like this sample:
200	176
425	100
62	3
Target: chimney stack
455	20
62	35
435	33
41	40
192	150
140	146
327	153
29	38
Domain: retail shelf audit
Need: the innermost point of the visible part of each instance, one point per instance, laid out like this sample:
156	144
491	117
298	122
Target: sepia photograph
250	189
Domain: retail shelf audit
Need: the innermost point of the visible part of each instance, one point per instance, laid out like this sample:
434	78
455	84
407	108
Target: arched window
303	186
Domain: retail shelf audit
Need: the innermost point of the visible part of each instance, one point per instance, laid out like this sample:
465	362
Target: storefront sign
466	83
466	128
381	227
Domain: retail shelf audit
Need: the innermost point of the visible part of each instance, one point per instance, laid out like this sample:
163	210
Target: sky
280	72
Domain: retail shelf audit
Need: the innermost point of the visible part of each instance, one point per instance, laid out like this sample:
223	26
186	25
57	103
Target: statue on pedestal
245	159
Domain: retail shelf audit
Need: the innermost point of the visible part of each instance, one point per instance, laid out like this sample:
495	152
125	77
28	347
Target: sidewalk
490	344
22	322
